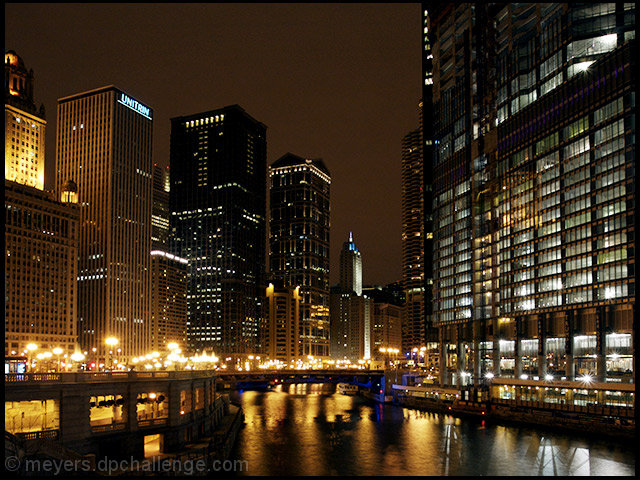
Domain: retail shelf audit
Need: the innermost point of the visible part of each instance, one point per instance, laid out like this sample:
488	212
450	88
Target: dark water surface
309	429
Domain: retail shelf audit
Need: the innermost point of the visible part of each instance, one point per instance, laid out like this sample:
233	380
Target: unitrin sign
127	101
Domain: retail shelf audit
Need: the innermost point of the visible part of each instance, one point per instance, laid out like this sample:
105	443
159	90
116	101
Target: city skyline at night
320	239
339	82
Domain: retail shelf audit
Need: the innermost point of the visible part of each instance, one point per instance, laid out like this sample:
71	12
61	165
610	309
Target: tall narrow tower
351	267
413	257
103	144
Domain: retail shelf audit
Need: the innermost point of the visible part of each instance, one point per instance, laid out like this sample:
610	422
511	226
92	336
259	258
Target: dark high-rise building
533	198
351	267
168	273
299	243
160	214
217	203
103	144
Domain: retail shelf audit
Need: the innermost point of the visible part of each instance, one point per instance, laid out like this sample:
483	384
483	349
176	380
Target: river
308	429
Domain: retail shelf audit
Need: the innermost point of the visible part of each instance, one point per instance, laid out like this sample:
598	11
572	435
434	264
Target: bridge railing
97	377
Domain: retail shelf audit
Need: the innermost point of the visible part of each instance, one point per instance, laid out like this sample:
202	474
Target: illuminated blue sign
127	101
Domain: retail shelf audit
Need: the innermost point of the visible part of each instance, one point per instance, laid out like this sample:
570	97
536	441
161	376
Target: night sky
337	82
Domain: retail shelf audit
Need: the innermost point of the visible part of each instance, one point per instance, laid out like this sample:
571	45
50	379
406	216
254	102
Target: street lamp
77	357
32	347
58	351
111	341
47	356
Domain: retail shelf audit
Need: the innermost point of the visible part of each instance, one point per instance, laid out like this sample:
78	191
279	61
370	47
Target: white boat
347	389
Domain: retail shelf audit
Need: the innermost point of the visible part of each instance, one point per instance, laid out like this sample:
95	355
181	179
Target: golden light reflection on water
306	429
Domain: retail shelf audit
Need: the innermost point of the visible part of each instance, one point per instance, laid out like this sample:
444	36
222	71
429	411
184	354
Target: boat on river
347	389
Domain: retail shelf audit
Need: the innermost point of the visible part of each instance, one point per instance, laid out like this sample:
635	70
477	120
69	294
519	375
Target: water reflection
308	429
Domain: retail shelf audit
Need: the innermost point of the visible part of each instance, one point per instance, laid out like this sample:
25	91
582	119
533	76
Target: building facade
24	125
40	271
218	224
103	145
534	117
386	329
351	325
299	243
283	341
168	300
386	318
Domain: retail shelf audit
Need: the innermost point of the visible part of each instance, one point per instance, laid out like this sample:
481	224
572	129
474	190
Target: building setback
218	224
103	144
299	243
533	197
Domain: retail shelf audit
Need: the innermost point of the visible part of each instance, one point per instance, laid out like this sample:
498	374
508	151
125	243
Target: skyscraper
350	312
413	258
41	244
299	243
103	144
533	198
218	224
351	267
24	125
168	273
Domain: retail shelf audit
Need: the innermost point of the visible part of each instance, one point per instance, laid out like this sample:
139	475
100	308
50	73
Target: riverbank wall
610	422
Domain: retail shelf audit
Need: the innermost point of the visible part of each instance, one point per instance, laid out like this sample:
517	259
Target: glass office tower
534	117
217	203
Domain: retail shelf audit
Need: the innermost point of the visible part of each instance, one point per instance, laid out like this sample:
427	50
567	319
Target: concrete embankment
556	420
564	421
225	435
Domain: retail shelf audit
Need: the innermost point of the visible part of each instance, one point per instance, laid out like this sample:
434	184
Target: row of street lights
46	356
154	359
